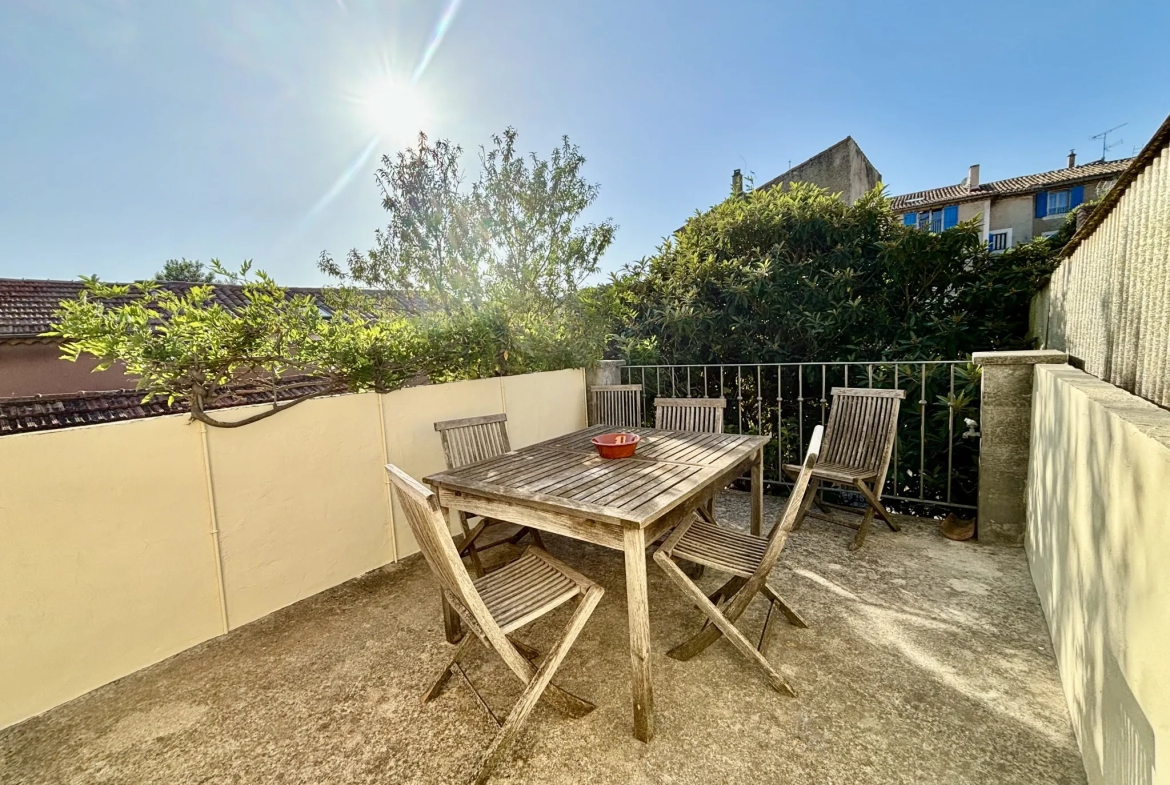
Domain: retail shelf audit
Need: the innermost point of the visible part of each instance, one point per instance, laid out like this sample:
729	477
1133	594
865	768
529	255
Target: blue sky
131	132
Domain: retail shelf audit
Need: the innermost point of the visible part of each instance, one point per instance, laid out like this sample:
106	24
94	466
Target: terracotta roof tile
51	412
950	194
27	306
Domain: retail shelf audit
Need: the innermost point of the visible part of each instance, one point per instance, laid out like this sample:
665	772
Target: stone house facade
1014	210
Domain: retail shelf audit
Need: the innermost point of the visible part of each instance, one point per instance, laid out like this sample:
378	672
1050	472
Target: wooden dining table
562	486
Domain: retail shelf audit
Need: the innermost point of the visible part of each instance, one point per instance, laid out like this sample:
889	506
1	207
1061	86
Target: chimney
973	176
736	183
1072	158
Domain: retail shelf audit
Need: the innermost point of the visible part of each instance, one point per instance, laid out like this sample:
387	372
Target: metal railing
934	463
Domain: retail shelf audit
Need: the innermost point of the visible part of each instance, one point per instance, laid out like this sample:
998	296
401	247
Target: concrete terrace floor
926	661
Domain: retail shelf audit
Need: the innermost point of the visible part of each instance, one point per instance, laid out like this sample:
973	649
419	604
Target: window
999	240
935	220
930	220
1058	202
1055	203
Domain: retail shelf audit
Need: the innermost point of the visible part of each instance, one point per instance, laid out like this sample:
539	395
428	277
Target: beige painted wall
108	561
106	558
306	482
1098	495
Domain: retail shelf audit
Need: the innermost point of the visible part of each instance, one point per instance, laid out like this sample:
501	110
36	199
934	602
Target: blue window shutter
1041	204
1076	195
950	215
910	219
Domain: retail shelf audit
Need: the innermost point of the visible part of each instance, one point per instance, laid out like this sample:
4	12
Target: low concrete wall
125	543
1099	548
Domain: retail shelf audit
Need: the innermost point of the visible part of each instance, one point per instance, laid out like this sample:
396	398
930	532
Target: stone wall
842	168
1005	412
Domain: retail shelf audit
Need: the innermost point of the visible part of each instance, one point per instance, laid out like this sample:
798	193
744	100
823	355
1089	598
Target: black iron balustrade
933	465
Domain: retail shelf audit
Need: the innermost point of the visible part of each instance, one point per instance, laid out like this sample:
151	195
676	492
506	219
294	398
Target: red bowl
616	445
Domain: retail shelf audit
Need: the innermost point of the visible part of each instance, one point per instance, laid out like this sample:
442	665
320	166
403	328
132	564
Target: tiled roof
1029	183
50	412
27	306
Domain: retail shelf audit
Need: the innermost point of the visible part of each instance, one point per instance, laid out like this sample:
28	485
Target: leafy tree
505	257
430	248
460	284
797	275
184	270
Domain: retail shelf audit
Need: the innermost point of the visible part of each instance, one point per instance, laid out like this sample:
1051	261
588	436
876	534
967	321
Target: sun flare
395	109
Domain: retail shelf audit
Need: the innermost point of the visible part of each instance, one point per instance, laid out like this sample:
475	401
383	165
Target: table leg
452	627
758	494
637	601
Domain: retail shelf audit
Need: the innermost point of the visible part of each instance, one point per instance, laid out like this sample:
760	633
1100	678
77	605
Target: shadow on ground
926	661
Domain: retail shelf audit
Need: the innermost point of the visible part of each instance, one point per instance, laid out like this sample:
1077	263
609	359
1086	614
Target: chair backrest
792	508
473	439
690	414
429	525
863	424
616	404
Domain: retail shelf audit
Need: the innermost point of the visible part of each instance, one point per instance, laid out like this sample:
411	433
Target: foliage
778	276
429	249
186	346
499	264
185	270
462	284
798	276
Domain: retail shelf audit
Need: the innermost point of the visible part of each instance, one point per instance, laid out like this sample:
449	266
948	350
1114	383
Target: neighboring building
31	365
1011	211
842	169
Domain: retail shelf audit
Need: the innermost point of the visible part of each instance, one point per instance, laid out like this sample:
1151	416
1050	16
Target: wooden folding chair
704	415
494	606
619	405
467	441
701	415
859	440
749	559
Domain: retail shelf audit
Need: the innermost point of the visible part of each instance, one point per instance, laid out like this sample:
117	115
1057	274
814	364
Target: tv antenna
1104	137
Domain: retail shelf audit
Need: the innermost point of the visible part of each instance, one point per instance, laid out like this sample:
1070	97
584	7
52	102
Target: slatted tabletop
700	449
566	473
